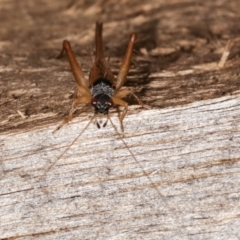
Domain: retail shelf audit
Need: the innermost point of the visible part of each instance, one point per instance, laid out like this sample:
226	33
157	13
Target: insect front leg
120	102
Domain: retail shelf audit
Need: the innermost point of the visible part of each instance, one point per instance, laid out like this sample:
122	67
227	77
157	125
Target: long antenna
79	135
135	159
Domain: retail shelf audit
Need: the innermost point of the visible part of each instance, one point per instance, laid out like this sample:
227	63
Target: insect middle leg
117	100
85	98
120	102
125	92
76	102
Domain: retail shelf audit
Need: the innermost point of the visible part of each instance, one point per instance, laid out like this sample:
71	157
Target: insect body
102	93
102	90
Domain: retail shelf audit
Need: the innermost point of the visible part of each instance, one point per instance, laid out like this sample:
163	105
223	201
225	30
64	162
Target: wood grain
188	143
97	190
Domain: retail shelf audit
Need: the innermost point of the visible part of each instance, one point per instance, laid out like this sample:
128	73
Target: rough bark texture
183	178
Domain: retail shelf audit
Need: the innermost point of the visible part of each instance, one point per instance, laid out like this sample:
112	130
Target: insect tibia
99	42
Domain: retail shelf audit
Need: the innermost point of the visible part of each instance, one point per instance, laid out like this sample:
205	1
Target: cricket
102	90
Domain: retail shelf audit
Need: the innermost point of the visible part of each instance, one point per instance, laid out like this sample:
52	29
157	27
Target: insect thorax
102	86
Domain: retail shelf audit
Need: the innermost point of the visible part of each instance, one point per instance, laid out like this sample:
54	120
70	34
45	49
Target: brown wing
100	66
122	75
76	69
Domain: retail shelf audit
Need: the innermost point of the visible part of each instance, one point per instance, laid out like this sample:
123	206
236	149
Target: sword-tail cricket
102	90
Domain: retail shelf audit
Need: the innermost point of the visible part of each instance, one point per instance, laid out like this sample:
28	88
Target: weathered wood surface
97	190
188	143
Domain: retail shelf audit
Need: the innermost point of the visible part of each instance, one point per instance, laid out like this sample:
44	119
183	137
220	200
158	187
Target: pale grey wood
97	190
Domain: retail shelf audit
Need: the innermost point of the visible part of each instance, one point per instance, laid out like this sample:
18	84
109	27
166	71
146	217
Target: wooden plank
97	190
187	143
